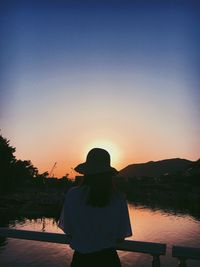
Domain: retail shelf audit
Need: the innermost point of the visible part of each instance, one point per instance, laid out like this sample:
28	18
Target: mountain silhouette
156	168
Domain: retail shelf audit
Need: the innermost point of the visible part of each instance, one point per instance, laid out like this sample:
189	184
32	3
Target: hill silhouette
156	168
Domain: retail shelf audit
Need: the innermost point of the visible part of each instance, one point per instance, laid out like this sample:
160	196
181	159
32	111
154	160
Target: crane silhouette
52	169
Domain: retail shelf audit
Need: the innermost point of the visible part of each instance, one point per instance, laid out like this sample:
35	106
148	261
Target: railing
154	249
185	253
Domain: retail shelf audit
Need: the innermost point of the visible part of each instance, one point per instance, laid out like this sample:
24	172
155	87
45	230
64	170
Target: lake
148	225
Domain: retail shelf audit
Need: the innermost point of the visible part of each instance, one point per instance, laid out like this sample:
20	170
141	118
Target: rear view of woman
95	214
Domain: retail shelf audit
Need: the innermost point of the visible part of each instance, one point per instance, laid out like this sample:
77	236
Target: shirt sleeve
64	220
124	229
61	219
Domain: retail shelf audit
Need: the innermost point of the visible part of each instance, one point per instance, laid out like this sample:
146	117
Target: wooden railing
185	253
154	249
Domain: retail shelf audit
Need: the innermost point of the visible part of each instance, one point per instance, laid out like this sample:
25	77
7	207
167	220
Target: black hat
97	161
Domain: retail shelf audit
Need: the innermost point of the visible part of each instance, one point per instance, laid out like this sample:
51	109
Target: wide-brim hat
97	161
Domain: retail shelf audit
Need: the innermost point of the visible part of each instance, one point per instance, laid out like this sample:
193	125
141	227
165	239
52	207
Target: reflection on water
148	225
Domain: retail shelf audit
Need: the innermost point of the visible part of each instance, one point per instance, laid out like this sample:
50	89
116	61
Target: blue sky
118	72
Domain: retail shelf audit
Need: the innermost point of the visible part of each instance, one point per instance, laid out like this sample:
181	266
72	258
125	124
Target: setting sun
107	145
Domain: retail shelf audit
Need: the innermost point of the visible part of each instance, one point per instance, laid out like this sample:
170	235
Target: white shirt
94	228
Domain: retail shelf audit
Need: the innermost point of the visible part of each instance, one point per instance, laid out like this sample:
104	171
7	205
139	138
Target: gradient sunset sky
121	75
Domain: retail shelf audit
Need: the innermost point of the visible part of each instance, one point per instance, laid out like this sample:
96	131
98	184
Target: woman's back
94	228
95	214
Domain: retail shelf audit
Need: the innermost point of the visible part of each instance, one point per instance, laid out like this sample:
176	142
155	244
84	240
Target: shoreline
36	204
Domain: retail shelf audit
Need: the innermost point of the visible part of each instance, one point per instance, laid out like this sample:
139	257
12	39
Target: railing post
182	262
184	253
156	261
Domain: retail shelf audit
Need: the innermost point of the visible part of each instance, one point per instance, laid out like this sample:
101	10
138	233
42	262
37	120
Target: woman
95	214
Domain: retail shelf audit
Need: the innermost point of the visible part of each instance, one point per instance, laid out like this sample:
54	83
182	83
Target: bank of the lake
34	202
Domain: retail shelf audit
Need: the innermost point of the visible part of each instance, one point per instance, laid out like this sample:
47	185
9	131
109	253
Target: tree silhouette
6	152
14	173
7	161
24	172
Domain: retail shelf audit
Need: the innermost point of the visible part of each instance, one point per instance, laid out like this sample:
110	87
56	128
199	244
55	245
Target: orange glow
112	149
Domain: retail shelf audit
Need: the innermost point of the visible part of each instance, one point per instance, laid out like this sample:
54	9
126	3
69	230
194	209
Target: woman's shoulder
74	191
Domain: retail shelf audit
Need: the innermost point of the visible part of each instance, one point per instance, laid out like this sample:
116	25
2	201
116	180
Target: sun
109	146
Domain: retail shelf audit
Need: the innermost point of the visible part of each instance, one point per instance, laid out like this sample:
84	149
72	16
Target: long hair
101	188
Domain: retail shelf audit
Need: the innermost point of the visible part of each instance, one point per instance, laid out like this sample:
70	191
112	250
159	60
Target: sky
121	75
